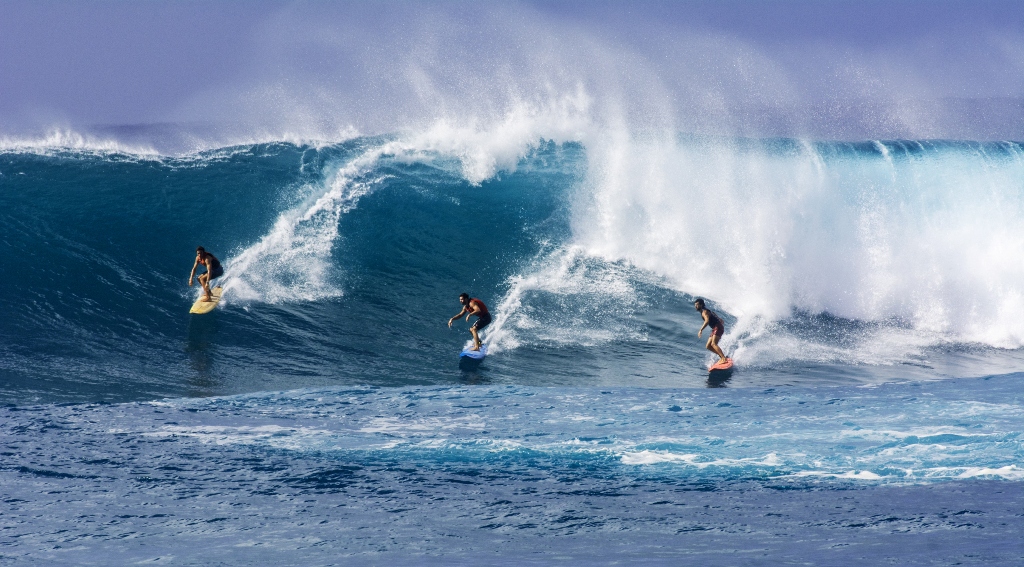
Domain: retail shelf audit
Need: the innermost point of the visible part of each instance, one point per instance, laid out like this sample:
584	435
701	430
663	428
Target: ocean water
320	415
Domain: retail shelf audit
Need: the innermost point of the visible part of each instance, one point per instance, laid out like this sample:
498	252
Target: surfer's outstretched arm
456	316
701	330
193	274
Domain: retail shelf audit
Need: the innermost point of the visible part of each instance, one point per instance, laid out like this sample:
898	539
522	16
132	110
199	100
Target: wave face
831	262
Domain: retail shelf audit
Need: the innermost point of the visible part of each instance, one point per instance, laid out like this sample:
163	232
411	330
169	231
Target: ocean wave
831	262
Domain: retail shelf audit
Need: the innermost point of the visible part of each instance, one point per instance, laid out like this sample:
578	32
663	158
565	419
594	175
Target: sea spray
916	235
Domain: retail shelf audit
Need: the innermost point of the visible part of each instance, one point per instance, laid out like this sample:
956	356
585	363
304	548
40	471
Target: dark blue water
320	415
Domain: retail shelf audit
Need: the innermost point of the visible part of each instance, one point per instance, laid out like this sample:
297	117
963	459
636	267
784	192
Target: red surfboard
727	365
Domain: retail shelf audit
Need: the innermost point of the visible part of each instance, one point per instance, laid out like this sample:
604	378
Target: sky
823	68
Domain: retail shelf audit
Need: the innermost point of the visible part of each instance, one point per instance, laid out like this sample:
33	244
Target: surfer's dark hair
463	296
698	301
200	249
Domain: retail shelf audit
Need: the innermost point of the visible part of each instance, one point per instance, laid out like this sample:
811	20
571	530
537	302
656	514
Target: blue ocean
321	415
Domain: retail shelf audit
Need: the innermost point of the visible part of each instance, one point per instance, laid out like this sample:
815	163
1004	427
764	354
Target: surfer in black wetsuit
473	307
213	270
717	328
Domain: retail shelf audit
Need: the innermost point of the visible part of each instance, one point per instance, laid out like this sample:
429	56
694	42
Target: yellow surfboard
201	306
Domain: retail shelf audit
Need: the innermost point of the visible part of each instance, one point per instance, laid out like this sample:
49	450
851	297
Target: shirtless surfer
472	307
717	328
213	270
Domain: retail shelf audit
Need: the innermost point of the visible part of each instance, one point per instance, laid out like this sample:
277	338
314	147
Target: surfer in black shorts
213	270
472	307
717	328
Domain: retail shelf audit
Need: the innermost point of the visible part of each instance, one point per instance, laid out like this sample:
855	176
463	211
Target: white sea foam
648	457
486	148
602	296
765	231
291	438
397	426
1009	472
852	475
654	457
65	139
292	262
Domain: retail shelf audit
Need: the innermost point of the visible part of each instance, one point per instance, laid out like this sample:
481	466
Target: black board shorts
481	322
216	272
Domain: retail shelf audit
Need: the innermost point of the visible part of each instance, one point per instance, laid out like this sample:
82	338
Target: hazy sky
108	62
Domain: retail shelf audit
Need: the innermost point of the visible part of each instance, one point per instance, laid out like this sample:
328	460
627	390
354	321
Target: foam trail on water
292	262
567	298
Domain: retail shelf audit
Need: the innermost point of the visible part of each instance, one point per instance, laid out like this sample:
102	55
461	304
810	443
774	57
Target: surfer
717	328
473	307
213	270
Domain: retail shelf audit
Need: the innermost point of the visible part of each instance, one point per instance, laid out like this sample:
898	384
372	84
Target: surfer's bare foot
207	298
477	347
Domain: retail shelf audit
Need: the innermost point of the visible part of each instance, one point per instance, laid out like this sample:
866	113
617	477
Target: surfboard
474	354
719	366
200	306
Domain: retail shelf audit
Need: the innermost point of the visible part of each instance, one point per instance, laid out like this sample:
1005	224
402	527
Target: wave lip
59	141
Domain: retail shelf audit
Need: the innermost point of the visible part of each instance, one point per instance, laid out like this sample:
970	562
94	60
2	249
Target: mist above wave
301	72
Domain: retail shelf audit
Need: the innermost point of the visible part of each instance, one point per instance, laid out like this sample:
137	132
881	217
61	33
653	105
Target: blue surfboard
474	354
